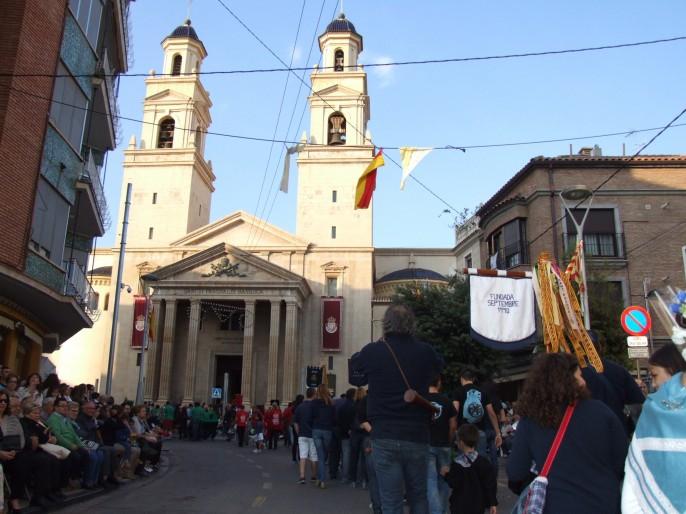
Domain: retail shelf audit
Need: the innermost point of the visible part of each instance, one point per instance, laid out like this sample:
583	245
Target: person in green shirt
196	421
81	458
168	414
210	420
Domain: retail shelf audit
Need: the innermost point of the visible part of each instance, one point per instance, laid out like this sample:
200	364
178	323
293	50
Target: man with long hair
399	430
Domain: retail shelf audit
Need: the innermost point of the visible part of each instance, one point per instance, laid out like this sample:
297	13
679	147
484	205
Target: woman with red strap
584	477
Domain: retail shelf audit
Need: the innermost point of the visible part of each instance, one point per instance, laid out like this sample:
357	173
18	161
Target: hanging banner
138	321
502	312
331	324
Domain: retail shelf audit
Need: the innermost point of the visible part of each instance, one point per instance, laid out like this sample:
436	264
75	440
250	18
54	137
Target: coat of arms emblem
140	323
331	326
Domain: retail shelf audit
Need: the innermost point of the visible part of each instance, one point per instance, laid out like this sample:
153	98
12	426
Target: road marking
267	485
258	501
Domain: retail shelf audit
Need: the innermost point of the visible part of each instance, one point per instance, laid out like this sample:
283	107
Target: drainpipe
553	216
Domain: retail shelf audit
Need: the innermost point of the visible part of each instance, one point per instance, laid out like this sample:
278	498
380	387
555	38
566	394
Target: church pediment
242	230
224	264
167	95
336	90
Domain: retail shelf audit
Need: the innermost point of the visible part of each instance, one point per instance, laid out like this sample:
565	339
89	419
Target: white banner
502	312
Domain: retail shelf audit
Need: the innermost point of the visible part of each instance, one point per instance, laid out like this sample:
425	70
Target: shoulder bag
55	450
532	499
410	395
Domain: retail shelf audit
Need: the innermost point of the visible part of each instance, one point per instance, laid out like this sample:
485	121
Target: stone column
290	368
192	353
151	357
273	366
167	350
248	332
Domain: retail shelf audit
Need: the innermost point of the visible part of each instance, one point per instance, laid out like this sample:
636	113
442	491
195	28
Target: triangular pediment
242	230
225	263
336	90
167	95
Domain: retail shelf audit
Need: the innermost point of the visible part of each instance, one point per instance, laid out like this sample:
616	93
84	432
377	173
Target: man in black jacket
400	430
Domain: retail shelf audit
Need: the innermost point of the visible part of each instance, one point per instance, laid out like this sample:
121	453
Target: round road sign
636	321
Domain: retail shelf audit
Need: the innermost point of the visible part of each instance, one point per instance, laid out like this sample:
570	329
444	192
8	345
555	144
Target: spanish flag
367	182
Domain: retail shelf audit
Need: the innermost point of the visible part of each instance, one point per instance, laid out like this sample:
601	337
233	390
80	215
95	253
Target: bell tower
338	149
172	181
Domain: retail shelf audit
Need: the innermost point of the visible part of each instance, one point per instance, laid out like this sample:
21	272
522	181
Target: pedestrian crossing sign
216	392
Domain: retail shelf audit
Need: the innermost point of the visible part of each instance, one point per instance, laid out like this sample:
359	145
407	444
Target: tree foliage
606	305
442	315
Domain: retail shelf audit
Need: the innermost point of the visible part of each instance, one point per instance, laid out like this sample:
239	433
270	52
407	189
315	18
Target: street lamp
140	390
572	197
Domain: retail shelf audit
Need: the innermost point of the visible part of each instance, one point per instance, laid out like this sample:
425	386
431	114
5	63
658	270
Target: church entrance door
233	365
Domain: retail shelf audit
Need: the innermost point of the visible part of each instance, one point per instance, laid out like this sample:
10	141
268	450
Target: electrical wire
375	65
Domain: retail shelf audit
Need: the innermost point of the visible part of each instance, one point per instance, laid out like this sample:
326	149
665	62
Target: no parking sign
636	321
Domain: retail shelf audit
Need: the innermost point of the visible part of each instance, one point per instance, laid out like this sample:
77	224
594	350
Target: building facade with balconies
634	230
58	119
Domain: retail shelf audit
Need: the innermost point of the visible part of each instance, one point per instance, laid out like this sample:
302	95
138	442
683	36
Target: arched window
336	129
198	137
338	60
106	306
166	139
176	66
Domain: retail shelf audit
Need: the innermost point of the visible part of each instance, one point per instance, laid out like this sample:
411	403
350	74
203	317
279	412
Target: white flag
287	165
411	156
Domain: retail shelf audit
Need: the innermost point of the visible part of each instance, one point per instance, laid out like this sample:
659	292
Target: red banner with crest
332	309
138	321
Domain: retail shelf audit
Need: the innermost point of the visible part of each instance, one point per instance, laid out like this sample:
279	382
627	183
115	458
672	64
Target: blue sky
429	105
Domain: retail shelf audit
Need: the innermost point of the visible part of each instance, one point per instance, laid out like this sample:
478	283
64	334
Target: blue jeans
438	490
322	441
93	466
345	459
401	467
372	482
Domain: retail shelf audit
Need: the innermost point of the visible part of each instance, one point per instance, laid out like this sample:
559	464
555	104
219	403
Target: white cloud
385	75
297	54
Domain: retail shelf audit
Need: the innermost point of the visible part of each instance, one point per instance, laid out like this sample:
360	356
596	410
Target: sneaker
322	485
148	468
301	481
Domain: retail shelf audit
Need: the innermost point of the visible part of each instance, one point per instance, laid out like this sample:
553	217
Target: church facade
224	301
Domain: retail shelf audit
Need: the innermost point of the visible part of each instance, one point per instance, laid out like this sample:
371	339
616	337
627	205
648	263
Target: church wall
200	203
261	349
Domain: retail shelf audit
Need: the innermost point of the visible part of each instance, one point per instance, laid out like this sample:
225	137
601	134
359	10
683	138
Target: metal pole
647	304
141	370
117	290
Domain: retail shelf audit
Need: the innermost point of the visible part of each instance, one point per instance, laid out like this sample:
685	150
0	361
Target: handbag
11	443
55	450
410	395
532	499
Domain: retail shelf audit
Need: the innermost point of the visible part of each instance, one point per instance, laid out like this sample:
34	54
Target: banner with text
331	324
502	312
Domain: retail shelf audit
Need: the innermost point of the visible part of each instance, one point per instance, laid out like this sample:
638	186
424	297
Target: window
600	234
507	246
176	65
468	260
49	226
336	129
150	232
69	107
166	139
334	196
199	210
106	306
333	232
338	60
331	286
233	323
198	137
88	14
154	198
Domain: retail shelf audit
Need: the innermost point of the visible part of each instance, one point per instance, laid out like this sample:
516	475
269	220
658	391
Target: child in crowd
258	426
471	477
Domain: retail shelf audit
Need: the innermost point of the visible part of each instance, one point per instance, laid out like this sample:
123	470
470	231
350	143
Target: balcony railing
76	285
510	256
111	85
91	174
597	246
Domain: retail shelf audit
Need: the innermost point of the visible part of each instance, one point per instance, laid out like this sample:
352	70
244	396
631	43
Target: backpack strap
558	440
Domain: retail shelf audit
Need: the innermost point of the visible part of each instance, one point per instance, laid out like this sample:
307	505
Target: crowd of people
55	438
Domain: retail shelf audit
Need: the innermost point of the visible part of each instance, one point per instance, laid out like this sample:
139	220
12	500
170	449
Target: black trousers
31	467
334	454
274	438
150	451
356	446
240	435
74	466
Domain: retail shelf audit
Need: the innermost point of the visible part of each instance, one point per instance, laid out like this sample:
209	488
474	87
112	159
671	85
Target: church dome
185	30
412	274
341	24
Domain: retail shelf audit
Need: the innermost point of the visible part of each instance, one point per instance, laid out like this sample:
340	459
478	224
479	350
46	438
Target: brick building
634	230
59	63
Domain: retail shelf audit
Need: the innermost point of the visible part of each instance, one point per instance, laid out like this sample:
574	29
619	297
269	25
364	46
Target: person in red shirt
274	420
241	422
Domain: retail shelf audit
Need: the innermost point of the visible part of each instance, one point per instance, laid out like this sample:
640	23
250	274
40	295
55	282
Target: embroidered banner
502	312
331	324
138	321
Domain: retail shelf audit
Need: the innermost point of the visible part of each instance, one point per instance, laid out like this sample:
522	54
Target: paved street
216	477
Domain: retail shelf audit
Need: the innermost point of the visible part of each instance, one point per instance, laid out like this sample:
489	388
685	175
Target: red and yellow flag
575	267
367	182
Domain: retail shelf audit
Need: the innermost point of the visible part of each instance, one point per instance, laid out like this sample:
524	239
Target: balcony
104	127
597	246
92	215
77	286
510	256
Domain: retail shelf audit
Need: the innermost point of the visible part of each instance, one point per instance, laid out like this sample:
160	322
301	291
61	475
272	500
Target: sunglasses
3	400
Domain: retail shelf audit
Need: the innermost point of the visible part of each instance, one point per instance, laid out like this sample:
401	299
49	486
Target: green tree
442	315
606	305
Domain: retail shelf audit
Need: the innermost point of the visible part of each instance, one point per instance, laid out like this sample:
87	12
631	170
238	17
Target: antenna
341	7
188	11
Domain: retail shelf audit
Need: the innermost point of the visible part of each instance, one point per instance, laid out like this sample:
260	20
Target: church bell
337	130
